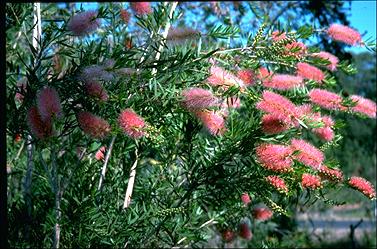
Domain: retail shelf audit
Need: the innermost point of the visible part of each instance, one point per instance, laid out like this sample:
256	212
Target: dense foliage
220	129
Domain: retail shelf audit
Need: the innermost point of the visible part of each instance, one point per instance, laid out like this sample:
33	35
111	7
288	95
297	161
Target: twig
130	186
103	172
27	184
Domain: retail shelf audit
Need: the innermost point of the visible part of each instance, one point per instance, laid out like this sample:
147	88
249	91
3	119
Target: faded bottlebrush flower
21	90
262	214
344	34
309	72
125	15
231	102
100	156
245	231
179	35
131	123
278	35
83	23
96	72
364	106
307	153
93	125
326	99
228	235
283	82
126	71
96	90
198	98
273	125
330	174
330	57
48	103
213	121
275	157
141	8
40	128
245	197
279	106
221	77
363	186
277	183
310	181
295	49
247	76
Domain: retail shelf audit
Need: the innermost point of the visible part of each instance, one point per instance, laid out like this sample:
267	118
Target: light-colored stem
103	172
37	31
131	181
27	184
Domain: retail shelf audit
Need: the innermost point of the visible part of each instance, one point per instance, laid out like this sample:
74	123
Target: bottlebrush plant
163	144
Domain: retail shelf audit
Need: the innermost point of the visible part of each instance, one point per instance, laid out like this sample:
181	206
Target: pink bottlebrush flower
262	214
365	106
284	82
213	121
263	74
93	125
277	35
40	128
330	57
309	72
299	46
311	181
344	34
221	77
277	183
141	8
273	125
307	153
21	90
83	23
100	154
179	35
17	138
279	106
363	186
245	231
324	133
198	98
247	76
131	123
96	72
48	103
228	235
231	102
331	174
275	157
326	99
304	111
245	198
125	15
96	90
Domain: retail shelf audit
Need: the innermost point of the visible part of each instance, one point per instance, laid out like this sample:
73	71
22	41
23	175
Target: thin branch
131	181
103	172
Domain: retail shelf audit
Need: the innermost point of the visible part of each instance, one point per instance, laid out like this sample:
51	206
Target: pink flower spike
93	125
141	8
324	133
364	106
131	123
275	157
284	82
279	106
311	181
326	99
277	183
198	98
344	34
263	74
221	77
180	35
96	90
83	23
307	153
245	231
309	72
213	121
363	186
247	76
125	15
331	174
273	125
48	103
100	154
277	35
245	198
299	46
330	57
40	128
262	214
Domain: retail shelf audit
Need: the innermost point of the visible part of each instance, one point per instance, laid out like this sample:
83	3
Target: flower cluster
275	157
83	23
363	186
93	125
131	123
311	181
277	183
